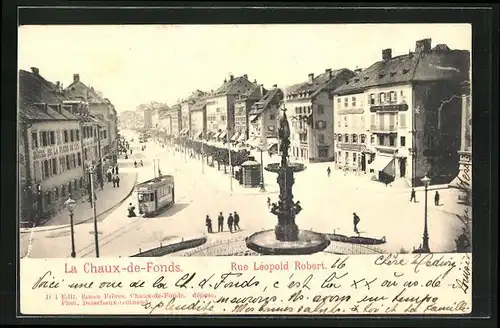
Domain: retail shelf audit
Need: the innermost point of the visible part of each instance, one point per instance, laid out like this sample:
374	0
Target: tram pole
96	236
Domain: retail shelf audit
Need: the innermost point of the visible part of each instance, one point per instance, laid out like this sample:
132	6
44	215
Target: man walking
114	181
328	171
436	198
230	221
413	196
220	222
208	223
236	221
356	220
268	202
117	181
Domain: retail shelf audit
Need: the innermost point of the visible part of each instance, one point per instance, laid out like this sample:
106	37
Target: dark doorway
402	167
363	162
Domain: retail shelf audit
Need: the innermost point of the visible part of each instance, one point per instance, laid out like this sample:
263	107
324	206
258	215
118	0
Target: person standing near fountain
355	221
220	222
230	222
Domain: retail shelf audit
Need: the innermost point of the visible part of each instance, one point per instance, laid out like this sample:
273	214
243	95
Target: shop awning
199	134
271	142
252	118
217	135
242	137
383	163
235	136
223	135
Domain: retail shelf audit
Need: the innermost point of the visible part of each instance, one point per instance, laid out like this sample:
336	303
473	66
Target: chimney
311	77
386	54
329	71
275	85
231	77
35	70
76	77
423	45
255	81
225	80
246	76
358	70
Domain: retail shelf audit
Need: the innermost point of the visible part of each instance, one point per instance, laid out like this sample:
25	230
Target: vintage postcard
245	169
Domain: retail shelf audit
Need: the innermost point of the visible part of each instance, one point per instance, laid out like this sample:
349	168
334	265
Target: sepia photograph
244	140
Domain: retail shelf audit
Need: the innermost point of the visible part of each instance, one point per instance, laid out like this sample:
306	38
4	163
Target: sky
136	64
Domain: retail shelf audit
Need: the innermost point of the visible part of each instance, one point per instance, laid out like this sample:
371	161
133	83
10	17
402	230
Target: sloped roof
263	103
176	107
199	105
253	93
238	85
78	90
437	64
319	83
33	88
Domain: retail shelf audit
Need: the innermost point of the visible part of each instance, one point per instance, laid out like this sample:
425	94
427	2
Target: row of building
62	132
398	119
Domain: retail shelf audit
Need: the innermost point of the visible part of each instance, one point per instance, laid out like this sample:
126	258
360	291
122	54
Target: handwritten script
323	285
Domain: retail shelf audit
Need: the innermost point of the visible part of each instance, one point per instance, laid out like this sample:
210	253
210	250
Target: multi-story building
175	121
51	165
242	106
100	107
408	98
310	109
186	106
220	106
131	119
199	118
148	118
264	115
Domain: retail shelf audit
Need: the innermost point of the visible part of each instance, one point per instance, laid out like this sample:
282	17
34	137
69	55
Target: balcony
383	128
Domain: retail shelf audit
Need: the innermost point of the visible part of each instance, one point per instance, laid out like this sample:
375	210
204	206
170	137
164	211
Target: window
321	109
54	166
354	138
66	139
105	134
402	120
321	138
382	97
338	123
339	138
362	138
345	121
58	135
372	99
339	155
79	159
34	140
339	100
272	117
320	125
52	138
353	100
354	157
346	138
391	140
85	154
46	169
72	135
45	140
63	191
402	141
346	102
347	156
393	97
68	163
73	159
56	193
372	139
77	135
223	117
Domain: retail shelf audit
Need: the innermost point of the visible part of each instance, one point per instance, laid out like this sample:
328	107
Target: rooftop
263	103
329	79
233	86
425	64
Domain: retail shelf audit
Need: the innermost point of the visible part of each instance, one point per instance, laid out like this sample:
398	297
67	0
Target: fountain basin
309	242
274	167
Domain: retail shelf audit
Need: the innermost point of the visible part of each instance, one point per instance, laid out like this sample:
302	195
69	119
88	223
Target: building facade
175	121
242	107
220	106
198	125
310	109
408	99
186	110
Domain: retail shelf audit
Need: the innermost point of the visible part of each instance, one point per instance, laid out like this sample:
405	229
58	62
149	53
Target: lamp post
92	188
425	240
262	185
70	205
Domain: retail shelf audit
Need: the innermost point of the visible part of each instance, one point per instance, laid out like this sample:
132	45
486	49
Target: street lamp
262	185
70	205
425	244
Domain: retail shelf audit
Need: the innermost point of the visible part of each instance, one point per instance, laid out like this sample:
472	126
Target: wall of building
186	115
438	130
299	148
148	119
176	123
198	121
216	109
321	143
240	116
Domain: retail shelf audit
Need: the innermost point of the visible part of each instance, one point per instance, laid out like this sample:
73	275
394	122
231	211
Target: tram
156	195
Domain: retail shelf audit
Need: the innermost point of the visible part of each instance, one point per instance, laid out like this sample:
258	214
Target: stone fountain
286	238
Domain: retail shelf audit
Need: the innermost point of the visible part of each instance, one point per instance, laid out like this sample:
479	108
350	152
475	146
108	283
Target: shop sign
352	147
389	108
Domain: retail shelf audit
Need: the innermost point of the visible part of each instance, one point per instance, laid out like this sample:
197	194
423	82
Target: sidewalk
107	199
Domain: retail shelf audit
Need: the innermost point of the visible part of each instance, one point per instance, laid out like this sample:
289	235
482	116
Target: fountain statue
288	239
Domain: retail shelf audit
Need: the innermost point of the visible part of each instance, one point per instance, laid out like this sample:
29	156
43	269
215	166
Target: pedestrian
328	171
109	175
159	173
116	169
268	202
230	222
142	164
413	196
118	181
436	198
131	211
135	164
220	221
355	221
114	181
208	223
130	151
236	221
